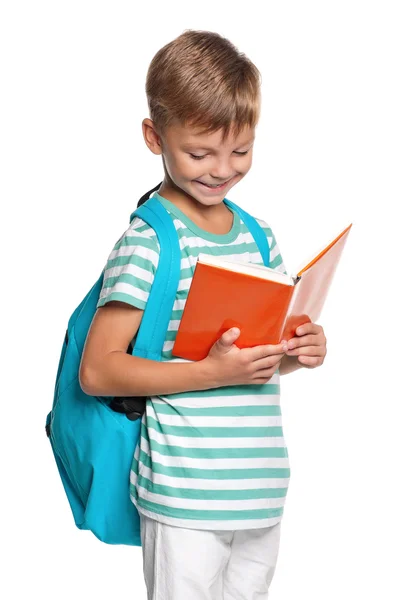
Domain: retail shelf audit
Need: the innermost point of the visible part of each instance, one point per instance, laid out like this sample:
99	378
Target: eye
197	157
241	153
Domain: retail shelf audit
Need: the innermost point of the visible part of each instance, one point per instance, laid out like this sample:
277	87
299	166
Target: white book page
247	268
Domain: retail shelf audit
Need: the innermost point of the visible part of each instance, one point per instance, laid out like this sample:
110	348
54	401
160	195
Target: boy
210	474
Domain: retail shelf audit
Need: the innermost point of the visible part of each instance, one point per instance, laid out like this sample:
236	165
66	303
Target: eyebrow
195	146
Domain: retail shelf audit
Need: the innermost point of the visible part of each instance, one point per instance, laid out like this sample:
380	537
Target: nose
222	170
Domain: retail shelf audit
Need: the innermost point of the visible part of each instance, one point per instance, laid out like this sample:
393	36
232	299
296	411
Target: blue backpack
93	439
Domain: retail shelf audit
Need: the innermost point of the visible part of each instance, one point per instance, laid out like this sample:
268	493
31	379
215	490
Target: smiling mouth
214	186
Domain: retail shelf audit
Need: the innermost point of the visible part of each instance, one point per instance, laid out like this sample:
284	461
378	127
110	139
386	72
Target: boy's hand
230	365
310	345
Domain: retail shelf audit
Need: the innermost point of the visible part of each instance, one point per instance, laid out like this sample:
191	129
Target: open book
267	306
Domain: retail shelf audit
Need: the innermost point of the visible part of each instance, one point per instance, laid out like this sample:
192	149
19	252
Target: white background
74	164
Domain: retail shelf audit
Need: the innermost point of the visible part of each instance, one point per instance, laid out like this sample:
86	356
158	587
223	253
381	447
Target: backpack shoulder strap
255	229
157	314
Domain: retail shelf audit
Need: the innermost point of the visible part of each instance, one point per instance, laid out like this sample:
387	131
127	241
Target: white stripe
274	252
191	504
222	401
255	257
188	261
184	284
188	462
258	483
132	250
263	223
179	304
168	346
246	257
197	242
281	268
129	269
233	442
194	421
173	325
137	223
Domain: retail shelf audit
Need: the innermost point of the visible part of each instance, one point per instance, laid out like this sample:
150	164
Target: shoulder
139	238
131	266
138	245
141	231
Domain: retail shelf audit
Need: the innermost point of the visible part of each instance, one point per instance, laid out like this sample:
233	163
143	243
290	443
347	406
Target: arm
107	370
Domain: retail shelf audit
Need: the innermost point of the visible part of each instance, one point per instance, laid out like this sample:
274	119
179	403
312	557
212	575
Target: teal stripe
209	515
147	229
137	240
240	390
176	315
122	298
274	264
134	466
182	294
213	453
170	336
218	432
219	250
130	279
187	273
193	494
184	232
195	473
133	259
218	411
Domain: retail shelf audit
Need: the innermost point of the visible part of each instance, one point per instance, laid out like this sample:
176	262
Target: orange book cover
267	306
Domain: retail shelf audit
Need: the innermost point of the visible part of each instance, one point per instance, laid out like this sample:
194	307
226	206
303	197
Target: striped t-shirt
212	459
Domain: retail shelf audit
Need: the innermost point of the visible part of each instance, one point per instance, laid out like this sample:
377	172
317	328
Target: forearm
121	374
289	364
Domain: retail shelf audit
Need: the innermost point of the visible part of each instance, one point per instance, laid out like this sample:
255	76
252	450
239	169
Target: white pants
194	564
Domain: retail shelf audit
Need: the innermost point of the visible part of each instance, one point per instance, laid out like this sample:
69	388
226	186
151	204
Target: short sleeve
276	261
131	267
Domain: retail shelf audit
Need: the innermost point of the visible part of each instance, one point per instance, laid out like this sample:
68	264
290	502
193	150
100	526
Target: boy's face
202	165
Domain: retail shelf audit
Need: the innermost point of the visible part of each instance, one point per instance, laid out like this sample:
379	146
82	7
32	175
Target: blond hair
200	79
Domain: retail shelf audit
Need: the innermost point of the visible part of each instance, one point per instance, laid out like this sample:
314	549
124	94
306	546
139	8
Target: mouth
214	187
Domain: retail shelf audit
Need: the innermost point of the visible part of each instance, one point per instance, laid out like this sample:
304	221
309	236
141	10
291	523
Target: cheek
184	168
246	167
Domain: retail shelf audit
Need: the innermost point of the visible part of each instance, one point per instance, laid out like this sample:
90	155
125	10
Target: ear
151	137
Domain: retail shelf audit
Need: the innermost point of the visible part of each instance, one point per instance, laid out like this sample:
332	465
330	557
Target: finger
258	352
307	351
308	328
266	374
305	340
310	361
268	362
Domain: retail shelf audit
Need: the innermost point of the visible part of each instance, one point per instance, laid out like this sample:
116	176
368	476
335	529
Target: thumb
228	338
